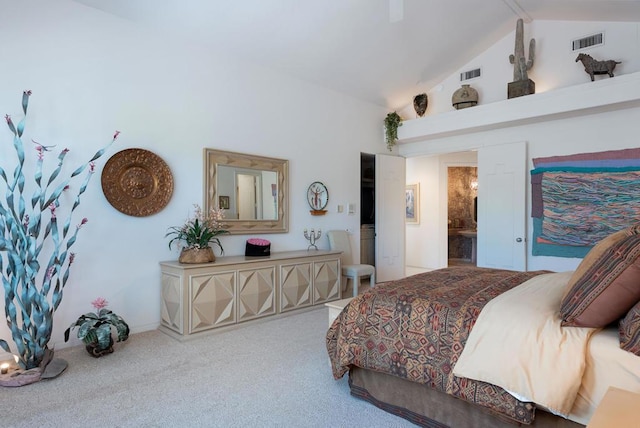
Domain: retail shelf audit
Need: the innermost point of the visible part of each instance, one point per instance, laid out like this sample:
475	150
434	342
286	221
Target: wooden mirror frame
213	158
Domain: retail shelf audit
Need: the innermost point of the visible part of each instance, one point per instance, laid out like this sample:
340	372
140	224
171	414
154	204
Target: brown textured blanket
415	328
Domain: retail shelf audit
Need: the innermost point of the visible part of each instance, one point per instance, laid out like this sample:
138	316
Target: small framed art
412	203
223	202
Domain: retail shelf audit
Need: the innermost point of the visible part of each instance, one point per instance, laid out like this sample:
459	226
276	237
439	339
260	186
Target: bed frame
430	408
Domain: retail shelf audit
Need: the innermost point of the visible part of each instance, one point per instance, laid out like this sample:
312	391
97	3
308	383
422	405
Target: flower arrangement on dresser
197	234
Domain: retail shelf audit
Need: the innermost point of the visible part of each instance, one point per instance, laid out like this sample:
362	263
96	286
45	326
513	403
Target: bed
478	347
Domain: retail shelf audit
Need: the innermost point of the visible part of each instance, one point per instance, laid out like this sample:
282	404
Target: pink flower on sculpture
28	92
99	303
50	272
116	135
7	118
65	151
72	257
65	188
83	222
52	208
92	167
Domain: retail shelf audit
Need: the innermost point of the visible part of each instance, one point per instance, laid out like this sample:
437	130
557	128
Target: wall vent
471	74
587	42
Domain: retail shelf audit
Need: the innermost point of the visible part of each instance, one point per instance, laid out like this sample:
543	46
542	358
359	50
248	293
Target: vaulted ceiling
380	51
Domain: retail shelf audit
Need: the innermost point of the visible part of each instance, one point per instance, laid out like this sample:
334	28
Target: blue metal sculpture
34	261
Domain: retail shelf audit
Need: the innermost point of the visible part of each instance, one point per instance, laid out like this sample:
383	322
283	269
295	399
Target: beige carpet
270	374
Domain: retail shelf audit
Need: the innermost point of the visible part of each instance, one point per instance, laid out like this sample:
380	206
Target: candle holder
312	238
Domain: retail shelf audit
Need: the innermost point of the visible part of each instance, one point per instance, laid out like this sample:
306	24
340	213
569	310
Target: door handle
518	239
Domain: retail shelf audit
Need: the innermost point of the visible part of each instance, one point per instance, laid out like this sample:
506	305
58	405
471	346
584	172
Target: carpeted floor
271	374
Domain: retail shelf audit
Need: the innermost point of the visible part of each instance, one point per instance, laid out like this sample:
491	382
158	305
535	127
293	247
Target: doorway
462	186
368	209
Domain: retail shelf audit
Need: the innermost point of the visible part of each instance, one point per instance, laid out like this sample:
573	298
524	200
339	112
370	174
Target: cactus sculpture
521	84
36	235
520	65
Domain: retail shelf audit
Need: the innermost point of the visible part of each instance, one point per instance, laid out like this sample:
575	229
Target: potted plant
391	124
95	328
36	236
197	234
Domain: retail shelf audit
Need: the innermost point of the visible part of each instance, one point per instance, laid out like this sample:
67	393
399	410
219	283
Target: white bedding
518	344
607	365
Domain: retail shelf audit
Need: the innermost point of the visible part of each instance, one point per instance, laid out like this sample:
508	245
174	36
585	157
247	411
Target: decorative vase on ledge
197	255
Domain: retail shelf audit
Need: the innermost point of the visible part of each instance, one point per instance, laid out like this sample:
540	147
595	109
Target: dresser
198	298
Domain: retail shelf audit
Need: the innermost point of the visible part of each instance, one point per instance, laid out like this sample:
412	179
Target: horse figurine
592	66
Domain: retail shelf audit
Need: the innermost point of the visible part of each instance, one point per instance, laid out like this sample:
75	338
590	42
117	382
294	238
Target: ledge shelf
603	95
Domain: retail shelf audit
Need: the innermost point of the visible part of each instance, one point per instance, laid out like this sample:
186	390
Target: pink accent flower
25	221
7	118
52	208
83	222
65	151
72	257
65	188
50	272
28	92
99	303
116	135
92	167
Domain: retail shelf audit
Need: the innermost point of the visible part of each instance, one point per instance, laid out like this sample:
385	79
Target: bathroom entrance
462	209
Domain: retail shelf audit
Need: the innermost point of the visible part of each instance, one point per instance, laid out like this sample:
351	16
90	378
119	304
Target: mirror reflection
252	190
248	194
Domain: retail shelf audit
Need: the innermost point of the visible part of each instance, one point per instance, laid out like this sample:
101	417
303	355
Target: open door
390	217
502	204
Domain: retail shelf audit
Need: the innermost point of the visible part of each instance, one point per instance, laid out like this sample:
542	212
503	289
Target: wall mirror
252	190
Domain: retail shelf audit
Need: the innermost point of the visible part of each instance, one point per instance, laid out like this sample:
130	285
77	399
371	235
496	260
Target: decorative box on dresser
201	297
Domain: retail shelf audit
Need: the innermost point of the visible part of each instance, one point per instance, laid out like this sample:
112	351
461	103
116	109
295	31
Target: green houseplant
36	235
391	123
95	328
197	234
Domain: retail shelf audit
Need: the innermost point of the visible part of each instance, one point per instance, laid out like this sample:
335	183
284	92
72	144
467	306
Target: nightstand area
618	408
336	307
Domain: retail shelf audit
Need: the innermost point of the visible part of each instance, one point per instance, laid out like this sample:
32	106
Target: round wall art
137	182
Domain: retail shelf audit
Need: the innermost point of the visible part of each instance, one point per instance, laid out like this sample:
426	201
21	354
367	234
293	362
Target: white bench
336	307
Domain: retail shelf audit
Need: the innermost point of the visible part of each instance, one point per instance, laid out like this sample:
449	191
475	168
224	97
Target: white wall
92	74
555	67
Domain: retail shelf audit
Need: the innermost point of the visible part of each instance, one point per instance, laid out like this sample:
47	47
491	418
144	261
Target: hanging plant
391	124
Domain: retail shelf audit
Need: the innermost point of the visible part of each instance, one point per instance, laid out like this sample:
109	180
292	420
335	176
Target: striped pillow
629	330
606	284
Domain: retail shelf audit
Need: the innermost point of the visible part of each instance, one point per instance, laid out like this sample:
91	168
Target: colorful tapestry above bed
578	200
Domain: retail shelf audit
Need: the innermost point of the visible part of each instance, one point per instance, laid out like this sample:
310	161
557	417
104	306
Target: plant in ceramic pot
197	234
36	235
95	328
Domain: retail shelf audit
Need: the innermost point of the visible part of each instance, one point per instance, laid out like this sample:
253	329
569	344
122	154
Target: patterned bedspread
416	328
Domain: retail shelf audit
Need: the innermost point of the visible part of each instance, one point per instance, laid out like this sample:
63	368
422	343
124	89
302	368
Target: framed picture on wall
223	202
412	203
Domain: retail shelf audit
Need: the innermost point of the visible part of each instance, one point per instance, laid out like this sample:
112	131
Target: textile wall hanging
577	200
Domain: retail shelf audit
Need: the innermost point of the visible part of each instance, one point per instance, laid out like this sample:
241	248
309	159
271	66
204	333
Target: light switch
340	208
352	208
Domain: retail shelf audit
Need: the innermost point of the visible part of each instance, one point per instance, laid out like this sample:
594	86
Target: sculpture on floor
521	84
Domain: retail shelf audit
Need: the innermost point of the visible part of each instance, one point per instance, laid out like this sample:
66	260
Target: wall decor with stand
317	197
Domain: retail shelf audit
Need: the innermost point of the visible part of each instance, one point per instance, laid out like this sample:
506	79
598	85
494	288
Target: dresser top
233	260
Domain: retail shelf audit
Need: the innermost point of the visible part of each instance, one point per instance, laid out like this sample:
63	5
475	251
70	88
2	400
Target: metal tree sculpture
35	262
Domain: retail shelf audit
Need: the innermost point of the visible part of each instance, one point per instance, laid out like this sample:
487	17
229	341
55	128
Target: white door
390	217
502	204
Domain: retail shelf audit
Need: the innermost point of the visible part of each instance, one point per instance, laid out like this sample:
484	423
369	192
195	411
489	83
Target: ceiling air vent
587	42
471	74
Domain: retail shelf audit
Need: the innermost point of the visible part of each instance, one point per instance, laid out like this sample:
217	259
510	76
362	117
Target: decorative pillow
606	284
629	329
